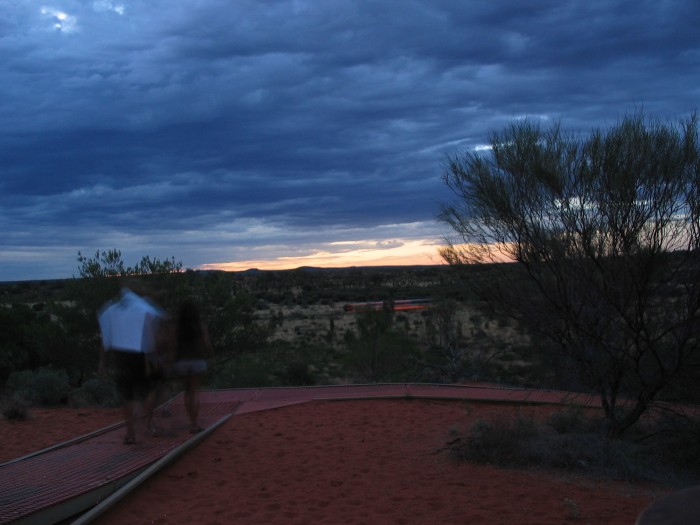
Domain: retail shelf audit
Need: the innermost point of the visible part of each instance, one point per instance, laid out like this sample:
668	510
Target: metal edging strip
107	503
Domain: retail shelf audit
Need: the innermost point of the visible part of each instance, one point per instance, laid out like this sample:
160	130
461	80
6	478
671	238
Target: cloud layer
228	132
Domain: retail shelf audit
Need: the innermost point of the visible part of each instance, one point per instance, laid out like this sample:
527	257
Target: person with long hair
192	348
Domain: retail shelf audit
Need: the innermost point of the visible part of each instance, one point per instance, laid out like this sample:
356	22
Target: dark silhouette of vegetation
377	351
14	408
451	355
605	230
109	263
663	451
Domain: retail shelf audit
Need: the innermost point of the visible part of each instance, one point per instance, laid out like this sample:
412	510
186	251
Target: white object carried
130	324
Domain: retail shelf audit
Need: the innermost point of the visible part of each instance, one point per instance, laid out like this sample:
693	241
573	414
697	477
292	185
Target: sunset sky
278	134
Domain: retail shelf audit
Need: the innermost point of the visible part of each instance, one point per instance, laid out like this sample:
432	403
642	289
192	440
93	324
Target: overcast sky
289	133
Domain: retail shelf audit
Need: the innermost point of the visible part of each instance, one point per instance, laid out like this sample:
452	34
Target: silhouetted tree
605	230
377	351
100	278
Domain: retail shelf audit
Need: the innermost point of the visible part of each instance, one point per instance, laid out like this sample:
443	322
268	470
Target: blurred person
130	327
192	348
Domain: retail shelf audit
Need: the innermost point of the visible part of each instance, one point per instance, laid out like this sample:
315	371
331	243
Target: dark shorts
189	367
131	374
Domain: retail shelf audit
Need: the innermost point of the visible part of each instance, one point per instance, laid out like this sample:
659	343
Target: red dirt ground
49	426
343	462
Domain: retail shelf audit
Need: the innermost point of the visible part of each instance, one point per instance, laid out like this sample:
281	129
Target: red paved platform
33	488
57	483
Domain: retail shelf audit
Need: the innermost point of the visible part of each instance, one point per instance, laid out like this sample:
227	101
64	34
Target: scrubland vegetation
277	328
291	328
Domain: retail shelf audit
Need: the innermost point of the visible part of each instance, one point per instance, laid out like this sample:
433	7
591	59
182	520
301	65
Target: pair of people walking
146	346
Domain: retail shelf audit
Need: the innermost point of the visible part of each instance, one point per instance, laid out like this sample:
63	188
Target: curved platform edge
121	492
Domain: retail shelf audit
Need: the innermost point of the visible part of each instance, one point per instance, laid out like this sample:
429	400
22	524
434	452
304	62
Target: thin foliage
604	229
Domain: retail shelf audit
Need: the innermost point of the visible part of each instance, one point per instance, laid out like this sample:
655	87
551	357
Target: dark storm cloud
212	129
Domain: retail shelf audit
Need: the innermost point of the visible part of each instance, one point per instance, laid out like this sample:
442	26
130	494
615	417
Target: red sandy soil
49	426
344	462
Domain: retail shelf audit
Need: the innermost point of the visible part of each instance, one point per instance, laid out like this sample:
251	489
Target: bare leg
149	408
192	401
128	409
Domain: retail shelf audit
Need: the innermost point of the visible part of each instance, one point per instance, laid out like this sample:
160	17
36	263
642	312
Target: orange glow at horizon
408	253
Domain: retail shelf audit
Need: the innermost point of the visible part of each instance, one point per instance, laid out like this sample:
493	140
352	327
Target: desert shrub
591	452
499	441
243	371
376	351
19	381
297	373
14	408
96	391
566	451
571	419
674	442
45	386
51	386
569	440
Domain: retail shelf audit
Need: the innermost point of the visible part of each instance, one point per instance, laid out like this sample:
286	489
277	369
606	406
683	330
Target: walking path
95	470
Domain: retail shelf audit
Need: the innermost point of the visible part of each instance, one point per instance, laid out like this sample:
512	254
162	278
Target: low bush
590	452
19	382
44	386
498	441
571	419
244	371
15	408
96	391
51	386
297	373
674	443
569	440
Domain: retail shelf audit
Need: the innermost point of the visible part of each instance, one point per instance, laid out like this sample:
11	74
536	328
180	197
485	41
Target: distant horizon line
251	269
